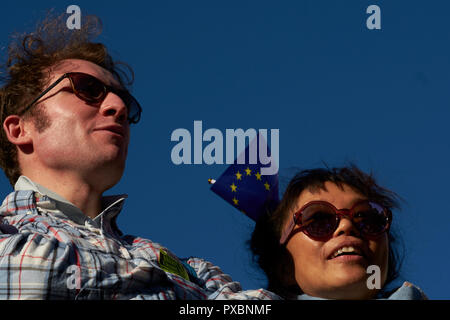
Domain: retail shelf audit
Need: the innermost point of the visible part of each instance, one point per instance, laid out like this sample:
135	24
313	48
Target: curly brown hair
28	67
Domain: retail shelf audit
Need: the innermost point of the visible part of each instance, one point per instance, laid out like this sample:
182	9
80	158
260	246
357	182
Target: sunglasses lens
134	109
93	90
371	218
88	88
319	220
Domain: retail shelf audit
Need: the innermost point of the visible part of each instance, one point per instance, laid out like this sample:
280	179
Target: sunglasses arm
287	231
44	93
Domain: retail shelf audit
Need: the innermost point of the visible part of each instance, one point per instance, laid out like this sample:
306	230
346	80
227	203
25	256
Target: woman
330	238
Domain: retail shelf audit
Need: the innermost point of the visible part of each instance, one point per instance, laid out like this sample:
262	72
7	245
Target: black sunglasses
92	90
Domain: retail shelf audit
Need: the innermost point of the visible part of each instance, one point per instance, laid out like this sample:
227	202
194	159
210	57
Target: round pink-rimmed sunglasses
320	219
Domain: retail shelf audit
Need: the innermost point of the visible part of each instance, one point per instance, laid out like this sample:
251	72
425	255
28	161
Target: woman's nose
346	227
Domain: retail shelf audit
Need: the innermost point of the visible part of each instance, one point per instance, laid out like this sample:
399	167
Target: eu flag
243	186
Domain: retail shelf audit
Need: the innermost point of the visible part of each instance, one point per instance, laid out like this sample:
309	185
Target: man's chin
111	156
107	173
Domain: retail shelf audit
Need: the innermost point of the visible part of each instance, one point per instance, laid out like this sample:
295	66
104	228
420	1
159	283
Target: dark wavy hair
275	260
28	67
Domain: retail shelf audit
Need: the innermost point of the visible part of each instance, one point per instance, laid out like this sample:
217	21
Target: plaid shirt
50	250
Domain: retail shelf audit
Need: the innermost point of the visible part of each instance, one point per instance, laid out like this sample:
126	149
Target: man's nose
113	105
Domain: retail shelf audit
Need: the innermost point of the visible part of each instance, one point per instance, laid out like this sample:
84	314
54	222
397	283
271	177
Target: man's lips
117	129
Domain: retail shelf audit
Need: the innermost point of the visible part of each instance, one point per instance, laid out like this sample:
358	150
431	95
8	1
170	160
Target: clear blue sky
337	92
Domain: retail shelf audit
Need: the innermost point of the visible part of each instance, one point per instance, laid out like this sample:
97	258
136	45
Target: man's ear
16	131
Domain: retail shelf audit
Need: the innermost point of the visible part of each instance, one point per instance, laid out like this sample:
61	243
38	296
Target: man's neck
72	188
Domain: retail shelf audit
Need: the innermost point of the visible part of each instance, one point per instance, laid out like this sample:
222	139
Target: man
66	119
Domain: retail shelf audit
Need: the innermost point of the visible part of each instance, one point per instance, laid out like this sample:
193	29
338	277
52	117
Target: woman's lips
348	246
348	258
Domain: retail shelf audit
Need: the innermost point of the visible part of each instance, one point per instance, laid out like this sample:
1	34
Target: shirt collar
59	206
407	291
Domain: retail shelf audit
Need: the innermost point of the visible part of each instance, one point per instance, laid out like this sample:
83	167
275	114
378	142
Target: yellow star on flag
233	187
238	175
236	201
267	186
248	171
258	176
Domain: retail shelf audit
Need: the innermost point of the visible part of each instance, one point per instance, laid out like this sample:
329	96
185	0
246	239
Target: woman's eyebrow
351	204
356	200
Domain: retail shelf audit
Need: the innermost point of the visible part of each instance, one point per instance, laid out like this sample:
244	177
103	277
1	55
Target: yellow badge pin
171	265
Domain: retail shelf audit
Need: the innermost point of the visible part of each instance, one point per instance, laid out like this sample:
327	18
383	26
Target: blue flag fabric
243	186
